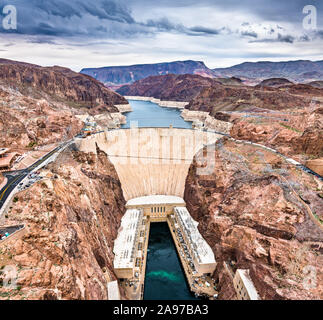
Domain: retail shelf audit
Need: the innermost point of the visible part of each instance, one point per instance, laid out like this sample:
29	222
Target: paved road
15	177
299	165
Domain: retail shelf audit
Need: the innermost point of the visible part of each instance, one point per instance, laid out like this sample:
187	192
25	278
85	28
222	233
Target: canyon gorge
255	210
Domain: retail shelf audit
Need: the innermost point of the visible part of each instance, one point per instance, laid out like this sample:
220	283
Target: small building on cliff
244	286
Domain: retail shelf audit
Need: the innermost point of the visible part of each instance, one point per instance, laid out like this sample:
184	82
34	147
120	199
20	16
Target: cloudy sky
83	33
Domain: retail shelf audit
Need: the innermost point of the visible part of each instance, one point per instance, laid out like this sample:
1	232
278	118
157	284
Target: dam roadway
150	161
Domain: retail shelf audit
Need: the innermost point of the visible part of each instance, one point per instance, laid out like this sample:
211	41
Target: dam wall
150	161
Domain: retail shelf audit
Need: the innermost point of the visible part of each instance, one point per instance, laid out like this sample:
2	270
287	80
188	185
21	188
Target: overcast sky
96	33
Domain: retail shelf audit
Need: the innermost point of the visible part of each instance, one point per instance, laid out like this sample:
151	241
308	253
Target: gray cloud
274	10
204	30
279	38
74	18
96	19
163	24
249	34
319	34
113	18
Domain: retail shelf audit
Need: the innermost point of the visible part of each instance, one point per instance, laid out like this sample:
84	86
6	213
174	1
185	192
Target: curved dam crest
150	161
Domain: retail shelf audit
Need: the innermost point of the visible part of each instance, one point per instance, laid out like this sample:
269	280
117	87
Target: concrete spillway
150	161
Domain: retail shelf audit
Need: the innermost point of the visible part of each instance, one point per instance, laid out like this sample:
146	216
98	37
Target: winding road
15	177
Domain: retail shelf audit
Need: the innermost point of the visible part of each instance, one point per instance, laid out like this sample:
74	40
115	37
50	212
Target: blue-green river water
165	278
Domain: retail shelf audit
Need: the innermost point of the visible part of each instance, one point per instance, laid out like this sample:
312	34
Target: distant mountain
298	71
172	87
275	83
218	94
117	76
316	84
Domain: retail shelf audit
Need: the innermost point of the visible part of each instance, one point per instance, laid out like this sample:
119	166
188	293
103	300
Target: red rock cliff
251	212
72	219
59	83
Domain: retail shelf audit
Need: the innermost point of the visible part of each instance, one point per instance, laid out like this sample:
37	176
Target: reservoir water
165	278
149	114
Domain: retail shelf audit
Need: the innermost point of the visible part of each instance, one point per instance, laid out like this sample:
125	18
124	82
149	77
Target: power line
183	159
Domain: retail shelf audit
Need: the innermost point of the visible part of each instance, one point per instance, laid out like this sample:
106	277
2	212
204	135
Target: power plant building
126	244
201	252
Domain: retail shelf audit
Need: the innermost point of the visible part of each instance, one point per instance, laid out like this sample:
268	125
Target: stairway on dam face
150	161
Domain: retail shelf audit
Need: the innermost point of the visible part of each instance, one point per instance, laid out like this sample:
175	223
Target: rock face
292	70
229	98
72	218
212	95
278	113
112	76
60	83
39	105
169	87
286	117
298	132
252	219
26	122
316	165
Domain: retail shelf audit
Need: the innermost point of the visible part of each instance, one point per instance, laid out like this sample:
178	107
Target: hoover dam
150	161
152	164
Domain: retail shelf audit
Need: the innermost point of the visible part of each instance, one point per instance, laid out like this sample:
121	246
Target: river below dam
148	114
165	278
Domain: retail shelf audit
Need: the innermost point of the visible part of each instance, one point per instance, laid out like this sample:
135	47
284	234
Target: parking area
29	181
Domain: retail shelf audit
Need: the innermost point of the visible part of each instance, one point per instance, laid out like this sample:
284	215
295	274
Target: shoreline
164	104
124	108
203	119
198	118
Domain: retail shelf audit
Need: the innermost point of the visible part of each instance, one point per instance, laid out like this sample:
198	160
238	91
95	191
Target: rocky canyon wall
299	133
72	218
252	211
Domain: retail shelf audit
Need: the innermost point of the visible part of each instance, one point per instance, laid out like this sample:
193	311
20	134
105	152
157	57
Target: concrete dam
150	161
